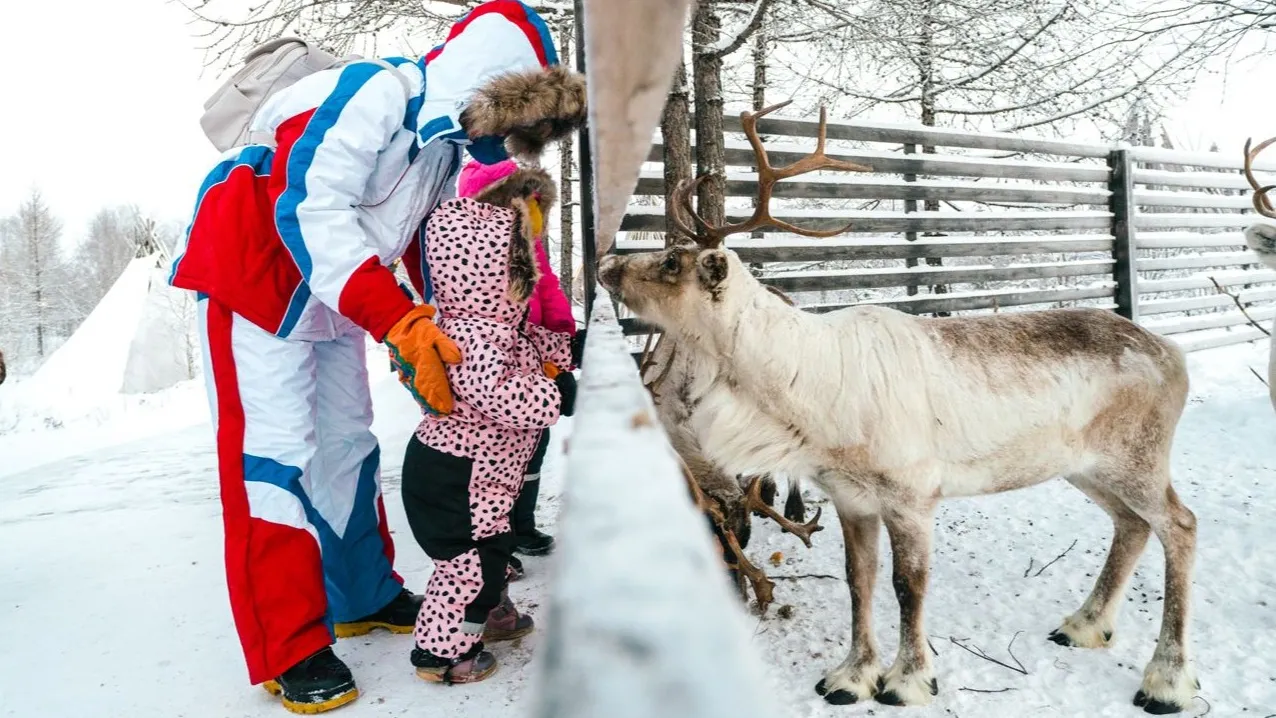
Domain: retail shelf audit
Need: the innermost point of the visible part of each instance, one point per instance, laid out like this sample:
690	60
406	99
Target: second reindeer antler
710	236
1262	204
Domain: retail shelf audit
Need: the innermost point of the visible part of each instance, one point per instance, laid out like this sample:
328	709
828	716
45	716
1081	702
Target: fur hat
529	108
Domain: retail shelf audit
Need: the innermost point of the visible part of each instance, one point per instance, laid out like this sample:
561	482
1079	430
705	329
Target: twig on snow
979	652
932	646
1029	569
1260	378
1239	305
984	690
798	577
1208	707
1056	558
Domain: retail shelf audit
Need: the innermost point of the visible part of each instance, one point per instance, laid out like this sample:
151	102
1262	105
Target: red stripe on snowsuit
511	10
273	572
235	254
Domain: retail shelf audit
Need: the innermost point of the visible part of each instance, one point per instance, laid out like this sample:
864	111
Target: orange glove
418	350
551	369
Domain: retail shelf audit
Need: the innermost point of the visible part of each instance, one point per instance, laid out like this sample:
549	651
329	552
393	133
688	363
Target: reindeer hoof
841	698
1061	638
890	698
821	687
1155	706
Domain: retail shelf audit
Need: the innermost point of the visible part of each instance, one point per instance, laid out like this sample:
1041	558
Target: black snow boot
398	616
318	684
516	571
527	539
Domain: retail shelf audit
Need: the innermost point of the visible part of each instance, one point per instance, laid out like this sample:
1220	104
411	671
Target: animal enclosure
953	222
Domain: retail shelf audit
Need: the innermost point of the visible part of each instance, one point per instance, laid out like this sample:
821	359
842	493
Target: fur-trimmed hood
523	184
497	75
482	259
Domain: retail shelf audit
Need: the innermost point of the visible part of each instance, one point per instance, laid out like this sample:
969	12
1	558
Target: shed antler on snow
1262	204
709	236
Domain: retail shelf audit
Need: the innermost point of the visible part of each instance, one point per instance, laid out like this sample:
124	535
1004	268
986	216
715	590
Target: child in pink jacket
463	471
548	308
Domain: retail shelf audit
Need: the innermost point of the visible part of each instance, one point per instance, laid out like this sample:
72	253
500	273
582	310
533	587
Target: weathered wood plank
1209	301
739	154
1168	198
1196	261
1218	160
1203	219
923	275
775	249
1188	240
1228	278
854	187
1196	341
1213	320
1201	180
916	135
652	219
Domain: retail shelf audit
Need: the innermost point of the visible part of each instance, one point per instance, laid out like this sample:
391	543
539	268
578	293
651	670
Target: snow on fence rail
641	622
952	221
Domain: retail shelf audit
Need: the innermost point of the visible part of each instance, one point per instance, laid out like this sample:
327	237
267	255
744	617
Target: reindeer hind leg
1169	683
1092	625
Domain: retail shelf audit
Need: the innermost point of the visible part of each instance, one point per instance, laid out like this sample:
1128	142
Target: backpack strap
268	138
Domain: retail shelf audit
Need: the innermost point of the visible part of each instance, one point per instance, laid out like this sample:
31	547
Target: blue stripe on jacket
352	79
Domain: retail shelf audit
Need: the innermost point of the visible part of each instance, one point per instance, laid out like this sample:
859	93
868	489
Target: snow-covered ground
112	600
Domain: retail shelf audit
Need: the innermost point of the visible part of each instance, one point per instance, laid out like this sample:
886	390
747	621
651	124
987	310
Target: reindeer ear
711	268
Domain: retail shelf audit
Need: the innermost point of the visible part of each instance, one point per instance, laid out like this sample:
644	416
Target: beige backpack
267	69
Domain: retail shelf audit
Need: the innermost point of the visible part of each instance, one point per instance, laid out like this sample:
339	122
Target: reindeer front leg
856	678
910	681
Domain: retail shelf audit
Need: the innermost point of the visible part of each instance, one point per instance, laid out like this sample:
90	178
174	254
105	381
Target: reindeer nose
610	269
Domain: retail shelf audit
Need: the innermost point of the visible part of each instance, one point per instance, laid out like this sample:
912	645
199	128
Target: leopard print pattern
503	398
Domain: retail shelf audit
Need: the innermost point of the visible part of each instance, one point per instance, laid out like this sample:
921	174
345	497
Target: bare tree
38	232
104	253
675	130
339	25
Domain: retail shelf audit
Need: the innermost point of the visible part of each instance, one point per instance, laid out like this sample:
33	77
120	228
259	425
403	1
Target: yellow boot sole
362	628
274	689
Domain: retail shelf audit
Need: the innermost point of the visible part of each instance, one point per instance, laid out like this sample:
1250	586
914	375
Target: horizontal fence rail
952	221
641	621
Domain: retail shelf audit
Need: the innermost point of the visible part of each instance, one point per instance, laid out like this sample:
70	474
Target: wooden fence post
588	232
1124	253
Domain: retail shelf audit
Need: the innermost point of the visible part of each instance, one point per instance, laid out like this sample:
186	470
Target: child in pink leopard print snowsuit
463	471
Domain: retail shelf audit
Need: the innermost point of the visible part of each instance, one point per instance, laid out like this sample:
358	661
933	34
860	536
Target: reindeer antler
1262	205
710	236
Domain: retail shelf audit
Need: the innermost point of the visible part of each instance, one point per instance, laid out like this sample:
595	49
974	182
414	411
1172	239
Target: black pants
469	572
524	514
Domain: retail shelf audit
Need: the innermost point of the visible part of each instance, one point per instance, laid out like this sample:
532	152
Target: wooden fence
956	222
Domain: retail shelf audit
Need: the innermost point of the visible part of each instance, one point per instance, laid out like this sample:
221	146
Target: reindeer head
672	287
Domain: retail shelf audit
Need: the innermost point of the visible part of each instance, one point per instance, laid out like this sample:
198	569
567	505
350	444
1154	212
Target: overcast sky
101	106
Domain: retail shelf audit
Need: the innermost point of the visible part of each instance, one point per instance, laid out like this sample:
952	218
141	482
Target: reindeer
890	413
1261	238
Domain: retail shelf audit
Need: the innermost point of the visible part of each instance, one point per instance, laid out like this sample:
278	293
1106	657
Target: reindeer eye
671	263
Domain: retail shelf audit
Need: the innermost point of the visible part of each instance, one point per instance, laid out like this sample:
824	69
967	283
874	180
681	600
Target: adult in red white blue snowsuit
289	250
